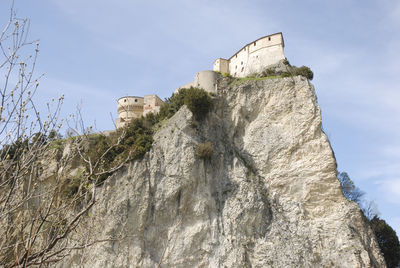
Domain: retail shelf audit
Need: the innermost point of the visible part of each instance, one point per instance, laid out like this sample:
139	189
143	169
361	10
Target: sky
96	51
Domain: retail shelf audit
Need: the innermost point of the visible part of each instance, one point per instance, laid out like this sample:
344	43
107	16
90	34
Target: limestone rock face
269	196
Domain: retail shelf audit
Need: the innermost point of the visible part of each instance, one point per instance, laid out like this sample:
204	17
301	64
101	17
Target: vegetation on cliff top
275	72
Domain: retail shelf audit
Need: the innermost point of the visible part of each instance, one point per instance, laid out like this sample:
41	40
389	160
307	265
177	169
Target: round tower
129	107
206	80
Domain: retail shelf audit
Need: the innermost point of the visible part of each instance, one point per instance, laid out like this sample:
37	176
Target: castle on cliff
253	58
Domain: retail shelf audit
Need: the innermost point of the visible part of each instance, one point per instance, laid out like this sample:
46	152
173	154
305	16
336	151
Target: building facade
131	107
206	80
253	57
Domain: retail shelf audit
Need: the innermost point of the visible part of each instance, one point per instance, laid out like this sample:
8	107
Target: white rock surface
269	197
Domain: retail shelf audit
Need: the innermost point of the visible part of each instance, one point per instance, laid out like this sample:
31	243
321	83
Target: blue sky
97	51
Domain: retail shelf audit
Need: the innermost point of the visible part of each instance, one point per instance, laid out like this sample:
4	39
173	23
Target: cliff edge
268	197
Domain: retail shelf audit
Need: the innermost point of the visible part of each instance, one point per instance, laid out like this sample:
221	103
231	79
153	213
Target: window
242	69
236	67
269	38
135	100
241	63
254	43
236	56
124	100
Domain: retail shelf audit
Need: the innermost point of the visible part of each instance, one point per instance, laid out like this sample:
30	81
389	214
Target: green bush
286	74
204	150
134	144
172	105
304	71
286	62
268	72
198	101
227	75
387	240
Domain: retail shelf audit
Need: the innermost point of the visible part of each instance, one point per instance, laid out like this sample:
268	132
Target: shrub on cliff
304	71
269	72
387	240
204	150
172	104
198	101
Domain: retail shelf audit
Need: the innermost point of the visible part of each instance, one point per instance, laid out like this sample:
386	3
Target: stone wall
152	104
206	80
253	57
131	107
221	65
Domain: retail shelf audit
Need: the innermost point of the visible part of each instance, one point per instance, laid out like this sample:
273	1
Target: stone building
131	107
206	80
253	57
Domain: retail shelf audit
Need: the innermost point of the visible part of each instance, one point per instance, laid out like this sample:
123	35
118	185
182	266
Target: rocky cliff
268	197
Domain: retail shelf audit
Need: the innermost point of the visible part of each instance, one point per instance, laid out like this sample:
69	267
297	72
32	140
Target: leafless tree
370	209
41	203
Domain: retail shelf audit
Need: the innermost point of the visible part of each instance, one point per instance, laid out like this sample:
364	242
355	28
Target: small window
242	69
269	38
254	43
124	100
235	74
236	56
135	100
244	49
241	63
236	67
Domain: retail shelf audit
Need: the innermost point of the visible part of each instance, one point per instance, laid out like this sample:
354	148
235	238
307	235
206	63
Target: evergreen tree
388	241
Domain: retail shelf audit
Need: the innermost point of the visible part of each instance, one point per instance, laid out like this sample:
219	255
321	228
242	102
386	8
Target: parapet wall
253	57
152	104
206	80
131	107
